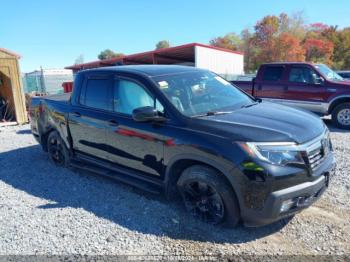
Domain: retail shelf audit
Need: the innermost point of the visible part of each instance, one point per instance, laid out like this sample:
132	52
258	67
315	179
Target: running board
121	176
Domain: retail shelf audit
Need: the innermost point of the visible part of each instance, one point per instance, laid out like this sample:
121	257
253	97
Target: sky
52	34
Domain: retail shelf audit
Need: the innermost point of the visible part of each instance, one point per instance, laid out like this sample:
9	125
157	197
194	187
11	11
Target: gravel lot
50	210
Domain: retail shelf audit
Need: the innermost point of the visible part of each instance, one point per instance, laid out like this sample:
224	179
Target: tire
58	152
341	116
205	192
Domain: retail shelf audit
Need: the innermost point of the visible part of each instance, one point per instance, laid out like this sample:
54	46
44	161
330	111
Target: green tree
108	54
162	44
294	25
341	42
250	51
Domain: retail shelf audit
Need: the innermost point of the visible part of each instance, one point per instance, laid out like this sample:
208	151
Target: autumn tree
287	47
265	32
162	44
318	50
230	41
108	54
318	44
288	38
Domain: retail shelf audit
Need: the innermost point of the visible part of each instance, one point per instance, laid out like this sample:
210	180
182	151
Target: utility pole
42	80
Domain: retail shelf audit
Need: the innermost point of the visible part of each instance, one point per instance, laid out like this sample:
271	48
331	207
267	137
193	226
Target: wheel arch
178	164
337	101
44	136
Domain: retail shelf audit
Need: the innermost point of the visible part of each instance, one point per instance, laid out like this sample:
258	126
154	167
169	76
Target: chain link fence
41	83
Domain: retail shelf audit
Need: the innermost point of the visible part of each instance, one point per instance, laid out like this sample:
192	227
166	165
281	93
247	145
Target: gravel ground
50	210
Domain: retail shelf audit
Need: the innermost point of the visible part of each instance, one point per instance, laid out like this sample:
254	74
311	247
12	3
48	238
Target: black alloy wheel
204	202
58	152
208	196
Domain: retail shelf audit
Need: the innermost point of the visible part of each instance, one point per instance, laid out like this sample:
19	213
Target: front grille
317	151
316	157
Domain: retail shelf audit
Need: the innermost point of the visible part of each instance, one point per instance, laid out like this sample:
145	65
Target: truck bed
59	97
50	110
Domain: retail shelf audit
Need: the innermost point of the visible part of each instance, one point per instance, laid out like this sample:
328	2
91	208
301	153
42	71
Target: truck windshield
199	93
329	73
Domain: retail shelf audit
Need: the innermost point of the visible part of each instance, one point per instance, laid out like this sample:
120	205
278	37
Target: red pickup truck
314	87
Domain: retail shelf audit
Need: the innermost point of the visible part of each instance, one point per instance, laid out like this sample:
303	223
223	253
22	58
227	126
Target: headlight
276	153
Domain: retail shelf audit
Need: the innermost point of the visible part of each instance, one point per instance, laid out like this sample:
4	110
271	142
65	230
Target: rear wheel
208	196
58	152
341	116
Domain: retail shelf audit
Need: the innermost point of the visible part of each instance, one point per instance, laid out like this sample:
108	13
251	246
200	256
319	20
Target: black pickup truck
188	133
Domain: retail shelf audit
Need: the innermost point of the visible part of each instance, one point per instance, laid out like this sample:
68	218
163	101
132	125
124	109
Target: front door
132	144
305	89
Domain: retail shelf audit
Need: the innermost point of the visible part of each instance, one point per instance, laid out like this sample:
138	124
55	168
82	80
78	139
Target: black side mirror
147	114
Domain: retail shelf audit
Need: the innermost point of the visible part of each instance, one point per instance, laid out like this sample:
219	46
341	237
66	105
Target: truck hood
345	83
265	122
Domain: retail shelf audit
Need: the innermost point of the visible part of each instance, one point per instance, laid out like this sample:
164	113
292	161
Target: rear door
305	88
269	83
89	120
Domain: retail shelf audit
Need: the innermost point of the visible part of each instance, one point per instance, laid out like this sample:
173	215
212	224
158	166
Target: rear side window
97	93
273	73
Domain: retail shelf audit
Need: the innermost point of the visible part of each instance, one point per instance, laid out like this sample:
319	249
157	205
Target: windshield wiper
249	105
213	113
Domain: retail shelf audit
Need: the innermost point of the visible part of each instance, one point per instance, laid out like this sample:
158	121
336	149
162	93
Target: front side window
97	94
273	73
199	92
129	95
303	75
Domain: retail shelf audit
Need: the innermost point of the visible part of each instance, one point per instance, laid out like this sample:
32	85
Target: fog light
287	205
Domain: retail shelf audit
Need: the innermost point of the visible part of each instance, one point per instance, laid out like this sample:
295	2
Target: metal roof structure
4	50
172	55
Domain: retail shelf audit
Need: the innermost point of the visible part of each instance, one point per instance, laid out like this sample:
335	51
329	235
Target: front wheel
341	116
208	196
58	152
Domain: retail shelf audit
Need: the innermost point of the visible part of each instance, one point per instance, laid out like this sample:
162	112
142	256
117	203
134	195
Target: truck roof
149	70
289	63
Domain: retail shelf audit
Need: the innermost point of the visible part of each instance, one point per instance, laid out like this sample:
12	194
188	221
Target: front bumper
306	193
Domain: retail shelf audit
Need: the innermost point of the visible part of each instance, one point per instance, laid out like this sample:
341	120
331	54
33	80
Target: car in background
344	74
314	87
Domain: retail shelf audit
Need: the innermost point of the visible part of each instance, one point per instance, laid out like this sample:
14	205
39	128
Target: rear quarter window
273	73
96	93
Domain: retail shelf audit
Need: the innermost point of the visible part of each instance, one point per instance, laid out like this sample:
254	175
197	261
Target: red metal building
188	54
